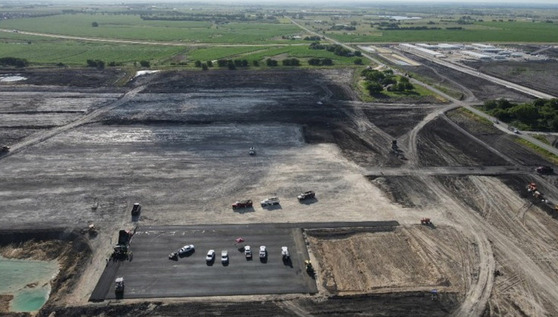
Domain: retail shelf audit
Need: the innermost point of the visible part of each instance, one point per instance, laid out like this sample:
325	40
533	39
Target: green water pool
28	281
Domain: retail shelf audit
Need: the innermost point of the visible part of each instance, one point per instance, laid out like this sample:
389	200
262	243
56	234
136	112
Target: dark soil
498	140
482	89
397	121
539	75
408	191
439	144
82	77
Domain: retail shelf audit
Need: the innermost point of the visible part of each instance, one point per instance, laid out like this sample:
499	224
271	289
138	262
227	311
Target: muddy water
28	281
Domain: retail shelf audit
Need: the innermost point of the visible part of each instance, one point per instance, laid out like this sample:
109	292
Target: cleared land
178	143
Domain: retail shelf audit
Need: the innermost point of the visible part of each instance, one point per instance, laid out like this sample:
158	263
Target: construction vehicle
119	285
310	268
532	188
136	210
122	248
425	221
285	253
544	170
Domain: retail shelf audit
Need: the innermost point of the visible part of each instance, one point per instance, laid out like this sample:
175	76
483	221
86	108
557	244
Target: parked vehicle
225	257
210	257
306	195
263	252
247	252
186	249
252	151
270	201
247	203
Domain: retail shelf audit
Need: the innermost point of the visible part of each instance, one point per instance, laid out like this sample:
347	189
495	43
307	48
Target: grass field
132	27
507	31
77	53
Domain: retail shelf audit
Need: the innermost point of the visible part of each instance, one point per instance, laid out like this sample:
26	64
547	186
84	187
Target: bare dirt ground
540	75
177	142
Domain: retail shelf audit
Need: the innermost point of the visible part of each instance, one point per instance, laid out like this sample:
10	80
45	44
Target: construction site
417	208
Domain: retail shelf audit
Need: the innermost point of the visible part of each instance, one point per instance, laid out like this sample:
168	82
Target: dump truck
136	210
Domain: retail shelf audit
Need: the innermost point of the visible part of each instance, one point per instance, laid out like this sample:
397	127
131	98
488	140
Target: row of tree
538	115
335	49
376	81
233	64
14	61
97	63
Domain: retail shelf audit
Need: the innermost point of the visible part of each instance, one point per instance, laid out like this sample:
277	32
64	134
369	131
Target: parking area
149	273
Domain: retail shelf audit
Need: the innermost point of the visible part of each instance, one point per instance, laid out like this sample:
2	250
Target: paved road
150	274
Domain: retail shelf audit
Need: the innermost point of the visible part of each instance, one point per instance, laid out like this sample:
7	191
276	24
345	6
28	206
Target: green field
132	27
77	53
515	31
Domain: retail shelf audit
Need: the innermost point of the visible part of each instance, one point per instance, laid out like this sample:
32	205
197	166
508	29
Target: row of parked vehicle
271	201
210	257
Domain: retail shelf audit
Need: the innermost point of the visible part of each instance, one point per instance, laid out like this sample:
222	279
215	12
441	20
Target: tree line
538	115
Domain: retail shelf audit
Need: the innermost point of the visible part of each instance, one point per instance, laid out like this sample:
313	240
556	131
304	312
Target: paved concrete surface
150	274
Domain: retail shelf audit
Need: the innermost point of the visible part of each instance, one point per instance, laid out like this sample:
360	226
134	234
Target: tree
327	62
314	62
358	53
204	67
271	62
197	63
94	24
209	64
358	61
374	88
255	63
145	64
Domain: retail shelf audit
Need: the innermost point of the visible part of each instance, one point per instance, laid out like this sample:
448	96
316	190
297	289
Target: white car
210	256
224	256
247	252
186	249
270	201
263	252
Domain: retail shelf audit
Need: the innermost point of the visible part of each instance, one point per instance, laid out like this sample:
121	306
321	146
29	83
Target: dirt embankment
69	248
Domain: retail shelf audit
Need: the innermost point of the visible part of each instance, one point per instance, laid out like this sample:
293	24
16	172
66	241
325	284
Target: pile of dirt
68	247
